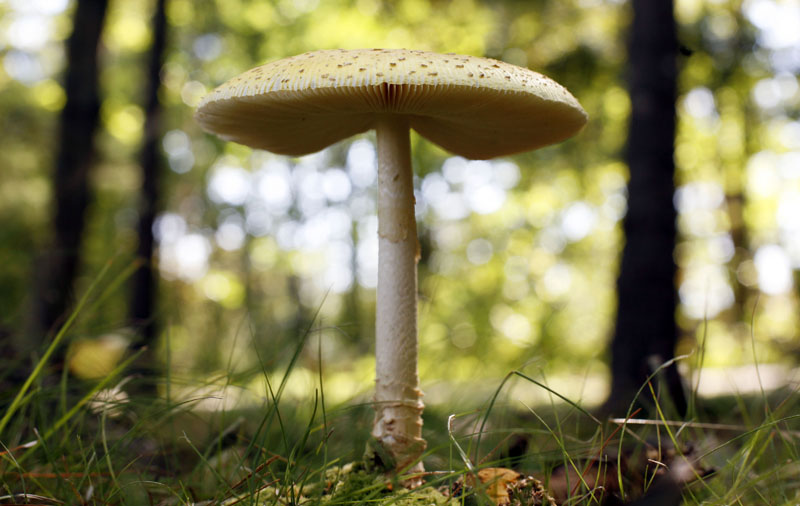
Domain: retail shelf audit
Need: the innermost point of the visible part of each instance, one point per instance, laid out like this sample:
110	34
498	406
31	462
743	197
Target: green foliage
93	442
138	450
512	289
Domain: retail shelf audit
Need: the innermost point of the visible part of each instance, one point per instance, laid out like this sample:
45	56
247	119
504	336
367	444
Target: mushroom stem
398	404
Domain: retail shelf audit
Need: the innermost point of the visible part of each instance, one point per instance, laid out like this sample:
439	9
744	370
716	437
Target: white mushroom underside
304	122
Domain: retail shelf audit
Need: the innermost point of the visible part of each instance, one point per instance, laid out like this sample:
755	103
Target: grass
65	441
150	451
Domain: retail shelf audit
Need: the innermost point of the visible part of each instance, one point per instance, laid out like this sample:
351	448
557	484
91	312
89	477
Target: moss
353	484
428	496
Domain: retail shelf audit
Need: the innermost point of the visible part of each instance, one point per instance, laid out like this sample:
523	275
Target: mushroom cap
474	107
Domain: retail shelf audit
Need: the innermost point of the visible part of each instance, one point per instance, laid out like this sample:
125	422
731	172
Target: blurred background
225	260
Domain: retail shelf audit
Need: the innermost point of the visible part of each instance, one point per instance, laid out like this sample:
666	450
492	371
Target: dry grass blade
26	498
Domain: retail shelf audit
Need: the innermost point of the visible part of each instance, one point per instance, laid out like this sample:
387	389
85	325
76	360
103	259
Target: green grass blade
51	349
496	394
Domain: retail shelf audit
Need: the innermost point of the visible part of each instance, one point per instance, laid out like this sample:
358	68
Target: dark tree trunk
646	331
142	304
76	153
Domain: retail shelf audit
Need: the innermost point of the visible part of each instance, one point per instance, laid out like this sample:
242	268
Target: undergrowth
65	441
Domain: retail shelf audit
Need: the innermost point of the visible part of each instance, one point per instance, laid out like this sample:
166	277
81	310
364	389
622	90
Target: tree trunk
646	331
76	152
143	294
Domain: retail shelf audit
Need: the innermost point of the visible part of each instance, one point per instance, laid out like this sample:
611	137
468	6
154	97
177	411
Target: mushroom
478	108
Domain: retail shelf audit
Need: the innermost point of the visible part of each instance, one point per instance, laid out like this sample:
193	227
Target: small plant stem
398	404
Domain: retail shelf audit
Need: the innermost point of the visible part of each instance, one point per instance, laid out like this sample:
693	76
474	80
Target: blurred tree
646	332
76	155
142	303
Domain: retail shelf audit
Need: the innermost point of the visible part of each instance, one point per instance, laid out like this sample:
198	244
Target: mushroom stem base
398	405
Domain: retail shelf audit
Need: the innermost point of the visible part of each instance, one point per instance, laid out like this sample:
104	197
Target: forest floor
88	443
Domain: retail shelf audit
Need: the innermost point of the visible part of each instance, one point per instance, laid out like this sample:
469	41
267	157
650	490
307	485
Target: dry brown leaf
506	487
